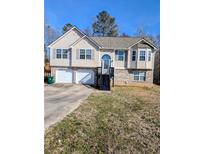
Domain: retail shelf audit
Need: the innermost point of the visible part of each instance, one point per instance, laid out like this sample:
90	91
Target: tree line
104	25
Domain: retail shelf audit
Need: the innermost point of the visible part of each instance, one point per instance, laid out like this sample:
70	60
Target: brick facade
126	77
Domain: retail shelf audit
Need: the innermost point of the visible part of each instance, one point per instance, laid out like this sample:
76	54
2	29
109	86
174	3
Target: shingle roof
109	42
116	42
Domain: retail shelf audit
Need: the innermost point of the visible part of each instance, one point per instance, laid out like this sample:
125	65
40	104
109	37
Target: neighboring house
157	68
77	58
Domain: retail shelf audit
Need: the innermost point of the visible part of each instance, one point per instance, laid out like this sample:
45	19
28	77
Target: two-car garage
79	76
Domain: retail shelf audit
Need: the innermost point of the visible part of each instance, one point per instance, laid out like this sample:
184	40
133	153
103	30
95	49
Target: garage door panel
85	76
64	76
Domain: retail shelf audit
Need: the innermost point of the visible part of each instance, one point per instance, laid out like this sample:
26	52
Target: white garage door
85	76
64	76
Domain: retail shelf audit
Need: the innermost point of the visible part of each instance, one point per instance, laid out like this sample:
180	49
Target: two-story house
76	58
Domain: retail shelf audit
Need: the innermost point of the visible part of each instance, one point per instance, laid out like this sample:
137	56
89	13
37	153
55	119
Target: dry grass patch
123	121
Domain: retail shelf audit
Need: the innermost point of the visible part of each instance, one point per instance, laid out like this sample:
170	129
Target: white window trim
149	55
64	53
58	53
145	54
86	54
135	74
61	53
120	55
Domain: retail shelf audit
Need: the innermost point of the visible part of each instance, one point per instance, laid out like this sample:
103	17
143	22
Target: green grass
123	121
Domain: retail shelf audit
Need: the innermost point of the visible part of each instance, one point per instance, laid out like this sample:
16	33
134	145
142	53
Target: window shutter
93	54
134	54
54	53
125	56
116	54
137	55
77	53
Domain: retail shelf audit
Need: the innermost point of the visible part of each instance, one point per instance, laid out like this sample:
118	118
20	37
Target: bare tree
50	35
158	40
154	39
88	31
141	31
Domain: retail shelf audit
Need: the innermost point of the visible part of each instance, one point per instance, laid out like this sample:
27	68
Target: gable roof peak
74	27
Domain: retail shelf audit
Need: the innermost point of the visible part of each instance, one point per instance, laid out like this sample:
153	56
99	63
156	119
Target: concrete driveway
62	99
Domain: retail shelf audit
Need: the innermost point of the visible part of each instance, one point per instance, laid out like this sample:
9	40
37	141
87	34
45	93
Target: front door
106	64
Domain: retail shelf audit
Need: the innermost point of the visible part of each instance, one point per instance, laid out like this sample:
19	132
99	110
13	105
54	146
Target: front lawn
123	121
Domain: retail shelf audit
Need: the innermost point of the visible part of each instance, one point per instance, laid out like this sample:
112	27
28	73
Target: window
106	60
149	56
142	56
62	53
120	55
88	54
65	53
82	53
85	53
106	64
133	55
140	76
58	53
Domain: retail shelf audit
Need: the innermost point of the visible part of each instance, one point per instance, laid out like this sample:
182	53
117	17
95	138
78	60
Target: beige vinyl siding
121	64
132	64
85	44
74	35
68	39
149	63
59	62
141	64
144	64
109	52
63	43
115	63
